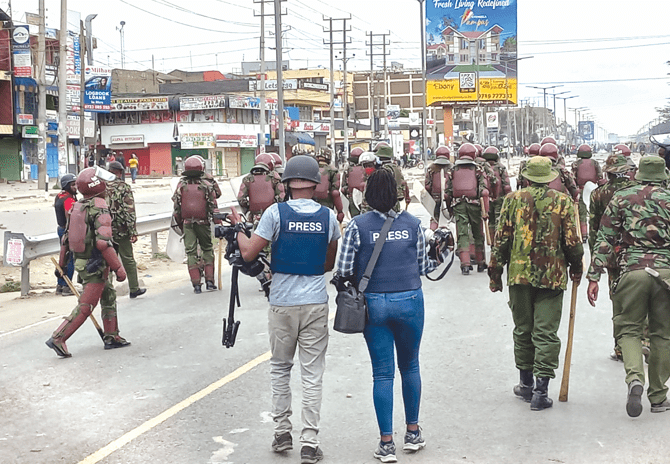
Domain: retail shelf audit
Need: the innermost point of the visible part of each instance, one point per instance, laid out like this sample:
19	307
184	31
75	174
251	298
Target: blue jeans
69	267
133	174
395	321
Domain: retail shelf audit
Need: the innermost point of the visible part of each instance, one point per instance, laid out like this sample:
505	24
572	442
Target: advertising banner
98	90
392	115
197	140
586	129
21	52
73	58
140	104
471	51
492	120
205	102
289	84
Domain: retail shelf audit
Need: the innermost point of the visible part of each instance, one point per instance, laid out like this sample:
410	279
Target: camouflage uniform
567	180
353	210
333	184
122	207
496	203
403	190
197	232
582	206
635	234
243	194
536	238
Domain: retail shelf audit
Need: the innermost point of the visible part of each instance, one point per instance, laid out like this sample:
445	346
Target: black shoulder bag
352	311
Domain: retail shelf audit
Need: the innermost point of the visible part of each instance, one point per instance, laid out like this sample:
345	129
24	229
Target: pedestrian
385	154
435	180
537	239
395	305
111	157
464	195
121	159
298	315
353	178
500	188
63	204
635	233
327	193
121	204
133	164
88	237
584	170
194	202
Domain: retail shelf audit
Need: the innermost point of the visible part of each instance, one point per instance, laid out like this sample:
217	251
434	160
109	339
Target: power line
599	81
186	10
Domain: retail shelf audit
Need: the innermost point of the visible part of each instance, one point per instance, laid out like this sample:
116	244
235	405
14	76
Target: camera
441	241
229	231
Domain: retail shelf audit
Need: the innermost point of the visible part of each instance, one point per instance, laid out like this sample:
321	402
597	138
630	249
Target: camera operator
304	239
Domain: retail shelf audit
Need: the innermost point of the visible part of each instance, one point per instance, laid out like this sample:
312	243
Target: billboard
98	90
21	52
471	51
586	130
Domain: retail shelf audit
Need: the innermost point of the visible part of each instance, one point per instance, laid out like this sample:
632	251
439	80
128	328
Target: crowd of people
536	234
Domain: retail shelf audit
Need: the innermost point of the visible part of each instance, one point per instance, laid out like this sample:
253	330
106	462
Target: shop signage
25	119
29	132
197	140
225	140
140	104
289	84
301	126
21	52
116	139
314	86
206	102
74	126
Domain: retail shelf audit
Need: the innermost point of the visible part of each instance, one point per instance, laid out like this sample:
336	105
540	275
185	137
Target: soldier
564	182
210	178
536	238
279	165
385	154
522	182
560	161
435	181
353	179
464	194
121	204
327	193
63	203
260	188
89	238
585	170
617	169
501	187
622	149
635	232
194	205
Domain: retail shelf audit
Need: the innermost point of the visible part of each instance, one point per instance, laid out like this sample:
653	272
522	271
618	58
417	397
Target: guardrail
21	249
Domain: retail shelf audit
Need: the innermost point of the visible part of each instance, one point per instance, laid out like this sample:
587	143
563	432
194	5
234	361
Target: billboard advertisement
586	130
98	90
471	51
21	52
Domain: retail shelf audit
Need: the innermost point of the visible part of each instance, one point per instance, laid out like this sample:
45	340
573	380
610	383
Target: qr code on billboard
467	81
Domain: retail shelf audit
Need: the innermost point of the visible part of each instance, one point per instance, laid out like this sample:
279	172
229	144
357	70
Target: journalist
304	239
395	305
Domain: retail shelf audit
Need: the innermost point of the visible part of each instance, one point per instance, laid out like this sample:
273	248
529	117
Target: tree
664	111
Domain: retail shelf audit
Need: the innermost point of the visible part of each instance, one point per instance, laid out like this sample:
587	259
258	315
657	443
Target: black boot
197	289
210	285
540	399
525	388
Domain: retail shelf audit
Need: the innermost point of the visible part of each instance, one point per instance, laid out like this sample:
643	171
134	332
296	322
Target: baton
76	293
654	273
486	224
578	223
565	380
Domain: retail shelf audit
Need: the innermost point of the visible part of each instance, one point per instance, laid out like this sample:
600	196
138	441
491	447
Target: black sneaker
309	455
139	292
385	452
282	442
414	441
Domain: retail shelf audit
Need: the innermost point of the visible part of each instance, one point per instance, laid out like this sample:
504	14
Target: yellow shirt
132	163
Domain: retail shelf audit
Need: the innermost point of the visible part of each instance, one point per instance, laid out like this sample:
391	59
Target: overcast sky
613	54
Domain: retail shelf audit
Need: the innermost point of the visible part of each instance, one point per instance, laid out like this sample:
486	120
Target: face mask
369	171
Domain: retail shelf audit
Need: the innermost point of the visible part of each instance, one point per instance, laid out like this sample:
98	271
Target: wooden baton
565	380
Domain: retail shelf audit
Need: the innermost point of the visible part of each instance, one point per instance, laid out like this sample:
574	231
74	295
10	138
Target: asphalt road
137	405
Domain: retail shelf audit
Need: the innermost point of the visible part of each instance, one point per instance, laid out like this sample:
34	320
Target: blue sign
98	90
586	129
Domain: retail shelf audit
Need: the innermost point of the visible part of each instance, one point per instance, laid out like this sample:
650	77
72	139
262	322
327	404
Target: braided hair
381	191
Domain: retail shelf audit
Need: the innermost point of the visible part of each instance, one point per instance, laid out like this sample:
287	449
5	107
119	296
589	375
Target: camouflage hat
616	164
651	169
538	170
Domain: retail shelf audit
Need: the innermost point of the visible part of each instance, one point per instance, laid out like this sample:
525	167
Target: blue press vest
301	245
397	268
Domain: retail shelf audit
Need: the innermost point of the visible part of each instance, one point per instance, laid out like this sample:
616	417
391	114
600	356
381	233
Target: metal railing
21	249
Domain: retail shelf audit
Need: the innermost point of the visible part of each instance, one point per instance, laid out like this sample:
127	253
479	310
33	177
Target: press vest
397	268
300	248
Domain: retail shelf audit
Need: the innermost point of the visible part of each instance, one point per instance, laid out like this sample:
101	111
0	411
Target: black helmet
115	166
304	168
66	180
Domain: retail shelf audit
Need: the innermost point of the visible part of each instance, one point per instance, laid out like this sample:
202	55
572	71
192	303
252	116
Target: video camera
440	245
229	231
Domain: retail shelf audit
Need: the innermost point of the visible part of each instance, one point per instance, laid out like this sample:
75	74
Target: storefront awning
294	138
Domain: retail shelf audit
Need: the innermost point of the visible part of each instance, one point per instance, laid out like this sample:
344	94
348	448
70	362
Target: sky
611	54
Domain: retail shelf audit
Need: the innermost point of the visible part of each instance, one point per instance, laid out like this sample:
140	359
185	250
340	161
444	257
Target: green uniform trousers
537	316
194	235
583	213
467	214
494	213
353	211
637	297
124	248
108	298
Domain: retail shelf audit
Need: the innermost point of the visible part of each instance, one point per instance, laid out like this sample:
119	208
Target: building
10	144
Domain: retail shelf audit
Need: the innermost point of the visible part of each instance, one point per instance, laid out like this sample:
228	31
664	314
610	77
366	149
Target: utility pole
261	135
423	79
62	90
42	109
565	117
544	113
280	81
82	88
373	91
332	43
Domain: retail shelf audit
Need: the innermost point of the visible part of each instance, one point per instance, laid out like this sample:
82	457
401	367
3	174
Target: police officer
584	170
194	205
435	180
89	238
210	178
304	239
560	160
464	194
522	182
536	238
623	149
63	203
327	193
500	188
121	204
635	232
564	182
260	188
385	154
353	178
279	164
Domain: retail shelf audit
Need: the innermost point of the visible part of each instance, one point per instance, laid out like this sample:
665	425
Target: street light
120	29
509	60
544	114
565	114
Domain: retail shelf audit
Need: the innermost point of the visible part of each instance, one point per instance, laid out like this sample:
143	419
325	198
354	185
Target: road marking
102	453
30	326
